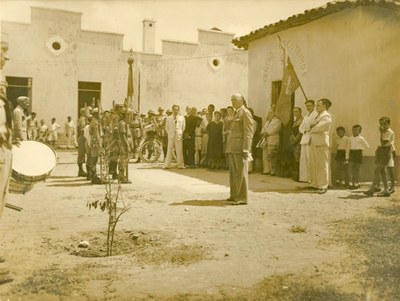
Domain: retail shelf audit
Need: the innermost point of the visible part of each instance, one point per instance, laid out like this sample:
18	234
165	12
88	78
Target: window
56	45
18	86
215	63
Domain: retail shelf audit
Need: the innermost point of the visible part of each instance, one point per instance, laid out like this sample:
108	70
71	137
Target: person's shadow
204	203
354	195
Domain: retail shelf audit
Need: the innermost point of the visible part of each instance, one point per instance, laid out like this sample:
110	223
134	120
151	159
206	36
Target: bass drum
32	162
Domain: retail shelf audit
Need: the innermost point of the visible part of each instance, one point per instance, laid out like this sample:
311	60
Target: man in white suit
304	169
319	147
174	126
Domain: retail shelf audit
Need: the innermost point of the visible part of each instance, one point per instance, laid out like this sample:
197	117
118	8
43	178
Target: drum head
33	159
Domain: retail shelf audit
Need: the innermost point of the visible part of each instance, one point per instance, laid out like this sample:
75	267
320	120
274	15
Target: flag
290	82
130	84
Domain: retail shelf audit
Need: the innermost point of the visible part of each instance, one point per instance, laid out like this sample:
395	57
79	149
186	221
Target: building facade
346	52
62	67
190	73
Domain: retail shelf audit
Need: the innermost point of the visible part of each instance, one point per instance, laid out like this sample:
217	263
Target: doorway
285	158
88	94
19	86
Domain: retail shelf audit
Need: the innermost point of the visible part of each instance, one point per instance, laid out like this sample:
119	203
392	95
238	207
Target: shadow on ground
212	203
257	182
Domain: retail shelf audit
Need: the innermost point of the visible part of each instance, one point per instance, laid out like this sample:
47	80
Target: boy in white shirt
53	134
357	145
342	157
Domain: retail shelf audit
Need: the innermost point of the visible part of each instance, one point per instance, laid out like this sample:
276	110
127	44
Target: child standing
383	157
43	130
357	145
53	134
387	138
342	157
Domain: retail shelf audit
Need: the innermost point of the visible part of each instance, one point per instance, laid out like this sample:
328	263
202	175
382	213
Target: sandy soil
181	241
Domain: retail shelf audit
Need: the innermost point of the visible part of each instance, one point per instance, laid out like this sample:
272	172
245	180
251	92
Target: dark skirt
340	155
355	156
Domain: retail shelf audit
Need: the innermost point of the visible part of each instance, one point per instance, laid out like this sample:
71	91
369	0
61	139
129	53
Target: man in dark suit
238	148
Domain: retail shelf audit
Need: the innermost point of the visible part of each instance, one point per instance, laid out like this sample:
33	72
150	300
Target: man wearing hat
81	124
124	146
161	132
95	147
150	128
136	130
20	128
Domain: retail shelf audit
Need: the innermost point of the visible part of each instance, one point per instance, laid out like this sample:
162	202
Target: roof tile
308	16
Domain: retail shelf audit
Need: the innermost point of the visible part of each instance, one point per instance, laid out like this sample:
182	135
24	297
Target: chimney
149	35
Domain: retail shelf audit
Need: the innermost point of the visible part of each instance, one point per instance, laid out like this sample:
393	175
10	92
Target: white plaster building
346	52
190	73
61	67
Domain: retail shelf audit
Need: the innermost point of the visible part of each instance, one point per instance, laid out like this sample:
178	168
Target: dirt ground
181	241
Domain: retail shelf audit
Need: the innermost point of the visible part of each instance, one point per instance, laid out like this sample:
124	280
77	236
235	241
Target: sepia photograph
199	150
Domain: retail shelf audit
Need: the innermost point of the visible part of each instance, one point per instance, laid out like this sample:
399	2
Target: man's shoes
391	190
377	189
369	193
239	203
321	191
384	194
82	174
354	187
96	180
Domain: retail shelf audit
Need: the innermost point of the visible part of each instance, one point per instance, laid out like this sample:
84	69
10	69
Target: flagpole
286	53
302	90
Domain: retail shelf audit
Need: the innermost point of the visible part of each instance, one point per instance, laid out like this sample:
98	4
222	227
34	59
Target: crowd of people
197	138
28	127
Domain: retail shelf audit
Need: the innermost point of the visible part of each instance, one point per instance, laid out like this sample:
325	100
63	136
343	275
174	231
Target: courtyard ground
181	241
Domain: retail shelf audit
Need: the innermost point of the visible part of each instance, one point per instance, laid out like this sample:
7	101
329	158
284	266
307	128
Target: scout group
199	139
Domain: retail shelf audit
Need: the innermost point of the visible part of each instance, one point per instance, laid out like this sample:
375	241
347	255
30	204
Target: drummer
5	144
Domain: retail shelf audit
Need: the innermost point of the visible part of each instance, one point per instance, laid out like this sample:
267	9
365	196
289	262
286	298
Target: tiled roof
308	16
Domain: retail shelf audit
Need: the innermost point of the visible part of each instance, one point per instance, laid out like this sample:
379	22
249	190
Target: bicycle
150	150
